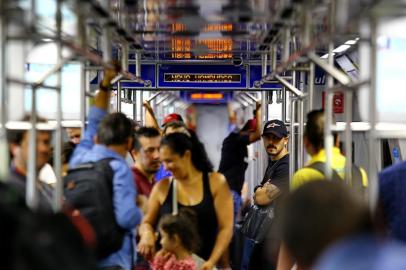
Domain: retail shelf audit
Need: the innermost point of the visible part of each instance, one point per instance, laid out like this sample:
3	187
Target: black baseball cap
275	127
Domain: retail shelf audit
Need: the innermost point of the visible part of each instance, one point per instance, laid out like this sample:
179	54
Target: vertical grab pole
58	192
348	136
106	37
83	73
138	74
307	40
328	137
119	91
134	102
264	95
4	153
292	139
31	191
373	179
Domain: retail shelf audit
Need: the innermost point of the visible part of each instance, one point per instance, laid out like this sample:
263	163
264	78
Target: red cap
172	118
250	125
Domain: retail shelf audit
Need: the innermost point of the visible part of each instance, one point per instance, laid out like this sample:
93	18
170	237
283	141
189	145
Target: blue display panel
147	73
256	75
202	76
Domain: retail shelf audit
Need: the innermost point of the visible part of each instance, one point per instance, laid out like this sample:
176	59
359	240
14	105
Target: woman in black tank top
197	188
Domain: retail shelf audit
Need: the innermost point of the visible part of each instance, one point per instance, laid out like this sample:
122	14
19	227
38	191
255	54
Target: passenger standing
197	188
234	154
19	143
317	215
172	123
114	136
314	143
392	200
274	183
74	134
147	141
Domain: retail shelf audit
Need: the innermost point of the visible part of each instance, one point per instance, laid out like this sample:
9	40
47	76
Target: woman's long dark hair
179	143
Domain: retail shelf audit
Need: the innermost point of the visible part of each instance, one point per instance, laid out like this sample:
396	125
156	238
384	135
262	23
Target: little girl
179	239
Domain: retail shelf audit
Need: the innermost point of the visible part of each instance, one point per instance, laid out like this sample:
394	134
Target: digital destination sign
212	77
202	77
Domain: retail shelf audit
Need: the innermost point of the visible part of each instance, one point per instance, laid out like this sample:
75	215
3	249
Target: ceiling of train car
198	29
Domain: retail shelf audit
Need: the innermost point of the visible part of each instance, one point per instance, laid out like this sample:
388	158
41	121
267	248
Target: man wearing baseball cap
274	184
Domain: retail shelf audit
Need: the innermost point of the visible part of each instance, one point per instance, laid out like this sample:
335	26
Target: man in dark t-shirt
234	154
274	184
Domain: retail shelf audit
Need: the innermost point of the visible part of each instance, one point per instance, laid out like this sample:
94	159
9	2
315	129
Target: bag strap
174	197
356	177
321	168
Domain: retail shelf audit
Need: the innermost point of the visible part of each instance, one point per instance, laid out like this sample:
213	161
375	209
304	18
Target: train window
46	99
391	70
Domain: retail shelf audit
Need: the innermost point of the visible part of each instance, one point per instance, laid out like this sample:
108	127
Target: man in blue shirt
113	136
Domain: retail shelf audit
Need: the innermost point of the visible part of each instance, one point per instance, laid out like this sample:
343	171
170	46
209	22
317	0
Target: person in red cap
151	119
173	117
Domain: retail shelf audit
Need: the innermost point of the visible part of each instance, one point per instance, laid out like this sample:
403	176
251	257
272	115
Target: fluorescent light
350	42
341	48
326	56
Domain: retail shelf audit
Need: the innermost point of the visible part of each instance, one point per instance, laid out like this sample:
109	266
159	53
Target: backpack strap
356	179
320	167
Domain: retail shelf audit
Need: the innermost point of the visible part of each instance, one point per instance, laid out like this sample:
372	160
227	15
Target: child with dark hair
179	240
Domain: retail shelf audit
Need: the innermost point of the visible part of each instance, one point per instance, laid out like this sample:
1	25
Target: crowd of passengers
175	212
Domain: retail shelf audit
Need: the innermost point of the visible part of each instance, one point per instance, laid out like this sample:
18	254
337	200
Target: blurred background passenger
319	214
18	141
392	200
74	134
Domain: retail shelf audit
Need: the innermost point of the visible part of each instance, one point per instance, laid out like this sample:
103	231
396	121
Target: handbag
257	222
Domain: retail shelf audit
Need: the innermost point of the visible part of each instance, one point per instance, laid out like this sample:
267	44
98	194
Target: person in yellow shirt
314	144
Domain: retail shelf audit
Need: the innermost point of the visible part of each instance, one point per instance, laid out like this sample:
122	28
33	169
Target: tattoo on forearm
271	191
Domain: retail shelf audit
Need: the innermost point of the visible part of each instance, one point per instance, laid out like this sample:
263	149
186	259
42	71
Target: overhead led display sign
202	77
206	96
204	48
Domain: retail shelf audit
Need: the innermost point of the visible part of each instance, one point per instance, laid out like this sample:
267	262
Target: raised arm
150	119
97	112
256	134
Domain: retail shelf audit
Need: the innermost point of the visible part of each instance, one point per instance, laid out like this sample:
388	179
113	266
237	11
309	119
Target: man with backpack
314	171
314	143
100	184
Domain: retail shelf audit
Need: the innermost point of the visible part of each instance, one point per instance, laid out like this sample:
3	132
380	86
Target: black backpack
88	188
38	241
